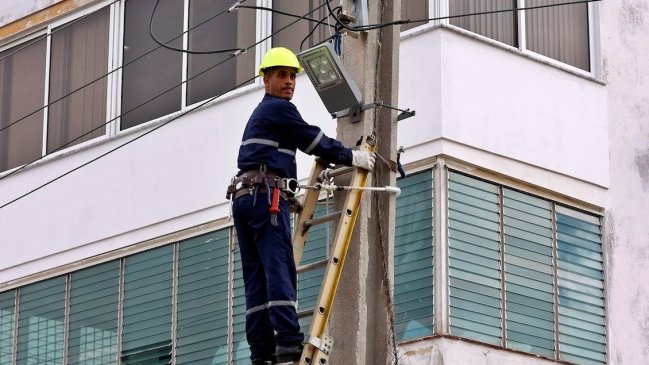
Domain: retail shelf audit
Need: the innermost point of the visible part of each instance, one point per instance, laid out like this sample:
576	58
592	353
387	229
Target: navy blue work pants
269	275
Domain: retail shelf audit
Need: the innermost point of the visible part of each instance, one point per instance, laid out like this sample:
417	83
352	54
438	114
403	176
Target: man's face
280	82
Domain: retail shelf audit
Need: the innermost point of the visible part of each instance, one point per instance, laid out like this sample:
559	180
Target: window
413	257
152	82
71	103
295	38
93	306
558	32
526	265
523	273
22	91
54	85
79	57
7	315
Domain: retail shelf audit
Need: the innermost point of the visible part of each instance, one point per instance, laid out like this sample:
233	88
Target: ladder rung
312	266
325	218
339	171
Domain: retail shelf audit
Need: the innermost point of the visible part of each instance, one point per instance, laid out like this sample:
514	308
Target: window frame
440	8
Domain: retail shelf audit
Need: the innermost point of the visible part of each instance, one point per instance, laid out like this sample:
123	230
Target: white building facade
520	232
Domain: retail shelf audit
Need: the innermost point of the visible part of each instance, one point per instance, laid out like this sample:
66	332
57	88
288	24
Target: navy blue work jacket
276	130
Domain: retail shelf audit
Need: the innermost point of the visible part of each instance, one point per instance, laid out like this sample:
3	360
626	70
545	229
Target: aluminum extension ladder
318	344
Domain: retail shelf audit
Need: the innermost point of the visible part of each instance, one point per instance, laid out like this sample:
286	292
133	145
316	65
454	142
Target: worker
266	158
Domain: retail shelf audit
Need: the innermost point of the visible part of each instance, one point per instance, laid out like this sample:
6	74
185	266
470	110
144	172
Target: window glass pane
413	257
79	56
528	221
41	323
94	307
202	329
148	279
559	32
7	315
22	90
240	348
582	331
474	262
157	75
413	10
216	74
499	26
294	37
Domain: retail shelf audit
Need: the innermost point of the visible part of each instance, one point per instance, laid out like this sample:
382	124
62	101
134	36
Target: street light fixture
336	88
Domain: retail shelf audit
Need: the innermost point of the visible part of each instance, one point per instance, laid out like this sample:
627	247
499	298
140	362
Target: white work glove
363	159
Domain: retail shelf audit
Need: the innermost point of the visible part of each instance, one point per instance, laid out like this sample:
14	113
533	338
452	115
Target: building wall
538	124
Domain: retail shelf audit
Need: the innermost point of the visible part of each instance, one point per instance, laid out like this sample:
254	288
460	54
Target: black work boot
288	354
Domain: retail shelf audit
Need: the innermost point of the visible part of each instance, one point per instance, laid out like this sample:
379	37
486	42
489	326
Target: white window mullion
185	71
520	16
48	48
114	68
593	40
439	9
441	287
264	29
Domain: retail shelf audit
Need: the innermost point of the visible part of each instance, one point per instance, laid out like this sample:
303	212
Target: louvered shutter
94	294
240	348
202	328
528	273
7	315
474	259
582	332
148	284
413	257
41	323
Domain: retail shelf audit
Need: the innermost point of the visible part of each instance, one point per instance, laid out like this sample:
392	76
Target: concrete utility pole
360	322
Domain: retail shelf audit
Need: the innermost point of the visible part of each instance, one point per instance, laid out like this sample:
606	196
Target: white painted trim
75	14
522	26
46	93
595	39
119	54
185	57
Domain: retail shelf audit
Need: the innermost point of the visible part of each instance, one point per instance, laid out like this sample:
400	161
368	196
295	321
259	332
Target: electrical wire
340	23
165	45
316	27
151	130
110	72
377	26
321	22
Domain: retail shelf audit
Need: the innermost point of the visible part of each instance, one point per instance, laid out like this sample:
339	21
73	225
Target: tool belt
247	182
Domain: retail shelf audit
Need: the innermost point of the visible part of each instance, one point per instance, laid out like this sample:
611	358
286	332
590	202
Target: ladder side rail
309	202
331	279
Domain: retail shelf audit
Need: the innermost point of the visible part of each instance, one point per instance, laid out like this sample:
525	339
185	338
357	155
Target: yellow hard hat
279	56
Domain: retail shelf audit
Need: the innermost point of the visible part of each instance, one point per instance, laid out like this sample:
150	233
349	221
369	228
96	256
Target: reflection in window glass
151	84
202	317
413	10
41	323
295	37
215	74
94	293
7	314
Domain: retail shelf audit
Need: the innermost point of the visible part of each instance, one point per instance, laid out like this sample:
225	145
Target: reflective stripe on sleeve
267	142
287	151
314	143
